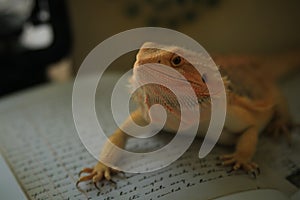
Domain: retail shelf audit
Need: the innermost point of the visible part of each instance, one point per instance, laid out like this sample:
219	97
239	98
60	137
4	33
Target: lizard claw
113	182
239	162
258	170
96	186
254	173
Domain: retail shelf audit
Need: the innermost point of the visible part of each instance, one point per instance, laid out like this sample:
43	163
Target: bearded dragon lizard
254	103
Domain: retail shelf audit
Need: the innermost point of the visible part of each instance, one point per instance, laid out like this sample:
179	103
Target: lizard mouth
177	78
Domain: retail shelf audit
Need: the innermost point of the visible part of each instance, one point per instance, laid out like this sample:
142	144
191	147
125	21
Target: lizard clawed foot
240	162
99	172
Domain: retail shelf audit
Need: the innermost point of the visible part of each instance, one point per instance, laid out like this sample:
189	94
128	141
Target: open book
39	143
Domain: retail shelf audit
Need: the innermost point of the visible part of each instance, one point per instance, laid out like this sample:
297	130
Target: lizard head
183	61
187	64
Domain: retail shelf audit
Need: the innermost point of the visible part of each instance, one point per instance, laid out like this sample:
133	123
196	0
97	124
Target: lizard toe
85	170
85	178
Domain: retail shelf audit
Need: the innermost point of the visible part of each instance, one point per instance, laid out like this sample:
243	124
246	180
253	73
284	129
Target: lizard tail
281	65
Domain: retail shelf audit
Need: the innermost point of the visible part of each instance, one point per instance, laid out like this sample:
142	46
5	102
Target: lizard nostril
158	61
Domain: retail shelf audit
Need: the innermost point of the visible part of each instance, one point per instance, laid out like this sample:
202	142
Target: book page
39	140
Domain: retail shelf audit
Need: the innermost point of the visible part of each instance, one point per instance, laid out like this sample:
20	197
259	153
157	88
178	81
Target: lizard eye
176	60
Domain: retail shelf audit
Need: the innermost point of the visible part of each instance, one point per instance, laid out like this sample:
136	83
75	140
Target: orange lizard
254	103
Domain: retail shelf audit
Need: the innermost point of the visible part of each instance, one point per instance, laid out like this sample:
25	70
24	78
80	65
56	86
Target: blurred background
46	40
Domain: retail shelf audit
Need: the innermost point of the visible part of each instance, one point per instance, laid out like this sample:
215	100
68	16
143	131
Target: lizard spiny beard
152	94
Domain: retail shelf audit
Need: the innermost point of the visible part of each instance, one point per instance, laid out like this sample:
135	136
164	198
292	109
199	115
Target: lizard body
254	103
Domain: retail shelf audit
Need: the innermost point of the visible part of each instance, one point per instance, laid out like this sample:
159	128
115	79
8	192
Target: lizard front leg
245	124
245	149
100	171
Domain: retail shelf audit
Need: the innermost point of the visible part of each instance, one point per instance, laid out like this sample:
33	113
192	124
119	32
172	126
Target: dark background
220	26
